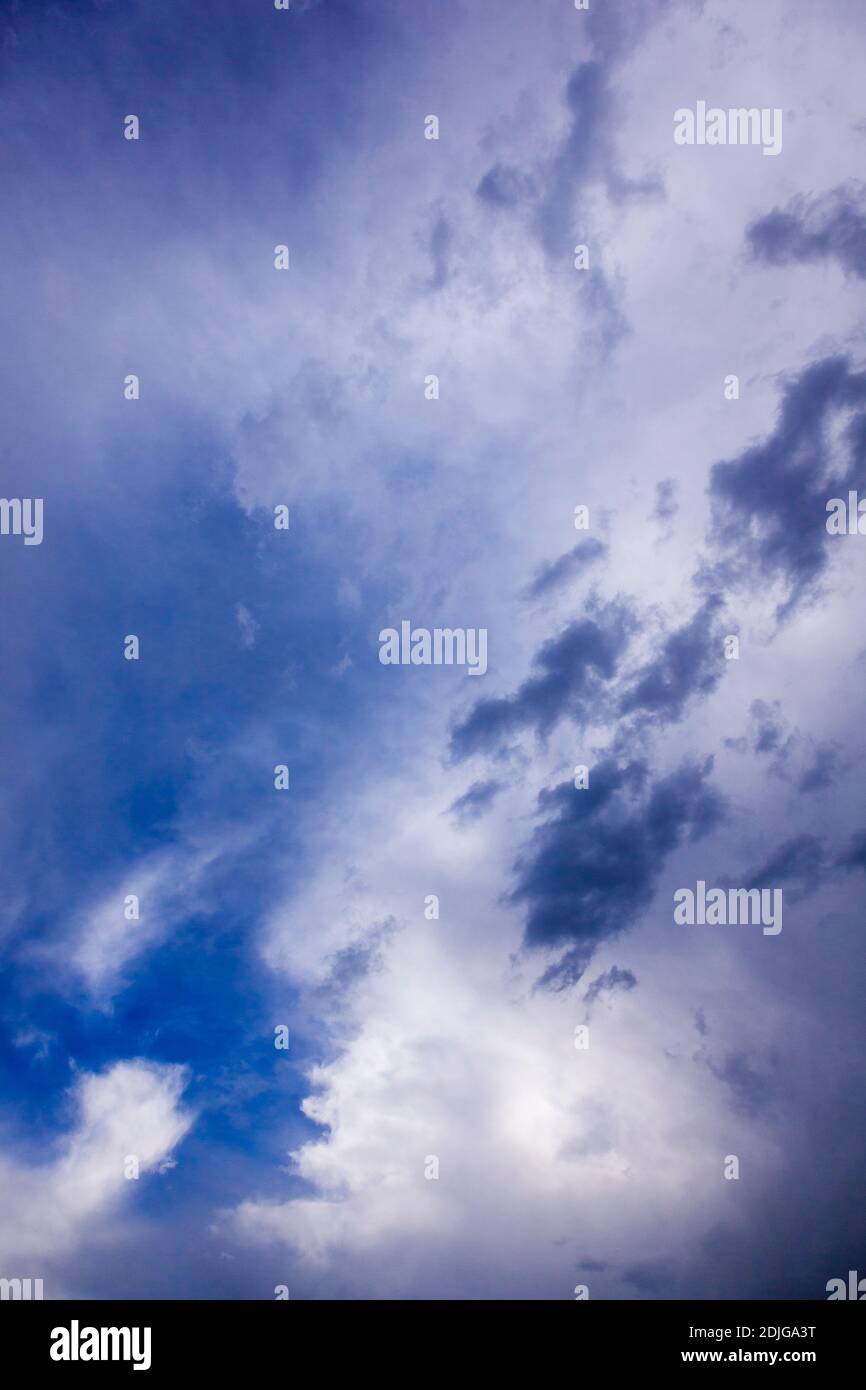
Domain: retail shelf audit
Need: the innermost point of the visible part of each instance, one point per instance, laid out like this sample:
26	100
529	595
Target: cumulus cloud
416	1037
541	1176
542	1152
132	1109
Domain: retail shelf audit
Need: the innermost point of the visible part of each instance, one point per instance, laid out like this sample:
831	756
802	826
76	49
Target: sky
511	294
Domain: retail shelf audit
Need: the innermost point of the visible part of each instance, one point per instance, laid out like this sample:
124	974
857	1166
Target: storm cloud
591	866
830	226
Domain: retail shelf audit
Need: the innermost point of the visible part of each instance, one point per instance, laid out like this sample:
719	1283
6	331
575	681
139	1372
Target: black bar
287	1336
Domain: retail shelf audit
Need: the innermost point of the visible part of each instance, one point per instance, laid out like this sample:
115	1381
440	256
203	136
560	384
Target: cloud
557	573
804	862
690	662
611	979
590	869
247	625
587	154
767	726
822	772
770	735
854	855
474	802
799	861
582	156
504	187
573	671
171	886
353	961
409	1037
750	1090
130	1109
666	506
769	504
541	1148
829	226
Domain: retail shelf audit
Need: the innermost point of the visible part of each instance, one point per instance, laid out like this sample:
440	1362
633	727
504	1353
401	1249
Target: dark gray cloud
666	505
361	957
590	869
831	226
503	186
799	863
609	981
750	1090
823	770
768	727
770	735
581	158
854	855
769	504
569	566
615	30
767	735
804	862
586	156
573	671
474	802
690	662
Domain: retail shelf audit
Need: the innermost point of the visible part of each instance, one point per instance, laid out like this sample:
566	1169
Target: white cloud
247	625
133	1108
548	1154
